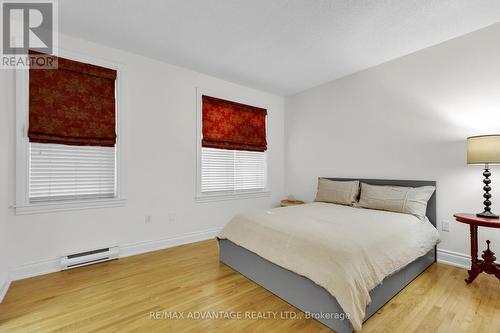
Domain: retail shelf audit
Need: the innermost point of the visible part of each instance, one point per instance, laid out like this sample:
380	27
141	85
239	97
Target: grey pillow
339	192
408	200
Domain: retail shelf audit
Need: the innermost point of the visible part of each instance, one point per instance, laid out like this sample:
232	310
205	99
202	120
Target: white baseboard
4	288
159	244
453	258
35	268
53	265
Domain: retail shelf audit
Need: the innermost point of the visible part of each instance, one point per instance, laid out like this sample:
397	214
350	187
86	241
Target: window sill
232	196
62	206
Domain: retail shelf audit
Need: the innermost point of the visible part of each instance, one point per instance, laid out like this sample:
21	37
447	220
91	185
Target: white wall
405	119
159	106
4	158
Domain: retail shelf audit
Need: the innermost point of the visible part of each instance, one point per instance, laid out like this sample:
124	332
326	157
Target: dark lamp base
488	214
487	196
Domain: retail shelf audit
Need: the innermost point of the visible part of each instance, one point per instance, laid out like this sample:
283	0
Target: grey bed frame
309	297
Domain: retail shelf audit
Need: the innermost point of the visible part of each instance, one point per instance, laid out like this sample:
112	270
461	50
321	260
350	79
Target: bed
313	298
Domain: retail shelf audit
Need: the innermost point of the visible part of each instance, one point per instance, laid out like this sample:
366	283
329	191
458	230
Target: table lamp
484	149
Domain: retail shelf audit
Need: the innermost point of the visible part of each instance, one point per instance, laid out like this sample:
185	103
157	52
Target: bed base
306	295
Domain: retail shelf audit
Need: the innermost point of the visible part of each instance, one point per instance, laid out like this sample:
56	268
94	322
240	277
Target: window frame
22	202
226	195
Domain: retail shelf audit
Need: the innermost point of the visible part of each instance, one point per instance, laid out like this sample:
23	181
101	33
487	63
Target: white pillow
339	192
399	199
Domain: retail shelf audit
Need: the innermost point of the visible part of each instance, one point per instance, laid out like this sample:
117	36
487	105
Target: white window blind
232	170
62	172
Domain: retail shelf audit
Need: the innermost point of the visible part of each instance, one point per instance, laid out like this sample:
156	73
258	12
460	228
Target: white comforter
348	251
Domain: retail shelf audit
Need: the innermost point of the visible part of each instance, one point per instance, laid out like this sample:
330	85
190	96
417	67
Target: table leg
475	266
473	243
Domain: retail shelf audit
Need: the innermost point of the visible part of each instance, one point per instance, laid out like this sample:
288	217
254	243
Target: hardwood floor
120	296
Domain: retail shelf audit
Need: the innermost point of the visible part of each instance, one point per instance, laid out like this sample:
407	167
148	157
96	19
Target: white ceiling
281	46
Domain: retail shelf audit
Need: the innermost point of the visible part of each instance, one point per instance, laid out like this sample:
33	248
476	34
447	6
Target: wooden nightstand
288	203
486	265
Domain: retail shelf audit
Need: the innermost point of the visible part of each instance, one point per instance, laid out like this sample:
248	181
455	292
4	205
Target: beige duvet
348	251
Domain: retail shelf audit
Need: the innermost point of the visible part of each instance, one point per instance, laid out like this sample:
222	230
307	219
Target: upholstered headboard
431	205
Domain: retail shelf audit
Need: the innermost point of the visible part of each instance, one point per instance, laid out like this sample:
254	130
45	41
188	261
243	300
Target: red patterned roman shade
234	126
73	104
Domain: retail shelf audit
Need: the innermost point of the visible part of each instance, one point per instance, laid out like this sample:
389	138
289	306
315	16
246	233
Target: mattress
348	251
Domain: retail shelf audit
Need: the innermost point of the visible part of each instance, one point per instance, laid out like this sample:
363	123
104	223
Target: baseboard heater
89	257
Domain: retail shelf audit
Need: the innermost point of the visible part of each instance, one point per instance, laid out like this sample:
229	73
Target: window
232	161
68	150
232	170
62	172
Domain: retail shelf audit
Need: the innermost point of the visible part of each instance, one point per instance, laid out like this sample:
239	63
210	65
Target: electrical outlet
171	217
445	225
148	219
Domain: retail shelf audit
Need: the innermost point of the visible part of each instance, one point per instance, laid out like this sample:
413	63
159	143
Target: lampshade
483	149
